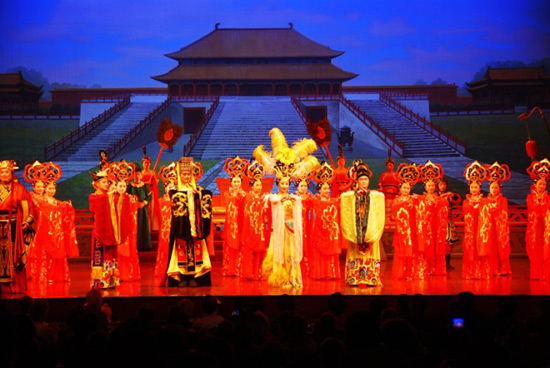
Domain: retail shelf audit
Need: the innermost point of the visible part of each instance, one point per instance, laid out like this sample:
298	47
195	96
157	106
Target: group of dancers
280	237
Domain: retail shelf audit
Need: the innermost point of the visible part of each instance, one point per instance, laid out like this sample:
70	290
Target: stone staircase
239	125
108	133
416	141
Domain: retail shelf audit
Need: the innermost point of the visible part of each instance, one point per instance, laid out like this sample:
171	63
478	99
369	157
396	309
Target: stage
452	284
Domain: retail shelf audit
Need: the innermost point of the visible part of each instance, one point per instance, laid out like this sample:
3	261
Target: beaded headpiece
498	173
285	161
431	172
255	171
359	169
235	166
324	174
52	172
476	173
539	170
8	164
409	173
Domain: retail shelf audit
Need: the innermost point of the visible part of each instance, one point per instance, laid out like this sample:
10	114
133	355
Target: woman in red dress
537	237
302	186
326	245
55	237
126	214
432	225
475	264
234	205
255	236
169	178
409	262
389	180
493	221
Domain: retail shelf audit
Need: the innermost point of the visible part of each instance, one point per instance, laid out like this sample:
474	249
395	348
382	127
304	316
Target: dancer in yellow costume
282	262
362	220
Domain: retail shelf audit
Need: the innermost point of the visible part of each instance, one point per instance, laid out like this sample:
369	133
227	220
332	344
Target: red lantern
532	149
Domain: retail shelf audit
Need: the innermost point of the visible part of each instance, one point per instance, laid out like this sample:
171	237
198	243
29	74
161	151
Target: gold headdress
52	172
104	160
324	174
145	157
255	172
121	171
168	174
476	173
389	159
284	161
359	169
8	164
197	171
235	166
431	172
34	172
409	173
100	174
539	170
498	173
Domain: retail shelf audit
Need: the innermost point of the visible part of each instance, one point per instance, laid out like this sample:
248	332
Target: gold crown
476	173
324	174
498	173
168	174
359	169
235	166
431	171
255	171
121	171
100	174
539	170
197	170
8	164
408	173
34	172
52	172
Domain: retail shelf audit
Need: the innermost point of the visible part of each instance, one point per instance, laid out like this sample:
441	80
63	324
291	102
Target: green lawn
497	137
24	140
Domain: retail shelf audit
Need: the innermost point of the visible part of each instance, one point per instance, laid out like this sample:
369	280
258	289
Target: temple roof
511	77
325	71
14	82
253	43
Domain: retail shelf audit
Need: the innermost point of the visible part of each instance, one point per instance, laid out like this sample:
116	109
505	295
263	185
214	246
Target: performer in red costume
493	221
409	262
432	225
326	244
150	177
55	237
342	182
168	177
389	180
126	214
234	207
255	236
537	237
16	229
475	264
302	186
452	199
105	274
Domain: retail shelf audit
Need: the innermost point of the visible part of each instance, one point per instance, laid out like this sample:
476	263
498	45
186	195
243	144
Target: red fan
321	133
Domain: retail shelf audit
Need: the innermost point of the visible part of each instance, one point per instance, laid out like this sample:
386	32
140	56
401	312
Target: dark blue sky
122	43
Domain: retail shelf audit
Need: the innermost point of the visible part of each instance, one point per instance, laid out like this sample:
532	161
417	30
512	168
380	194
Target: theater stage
311	300
452	284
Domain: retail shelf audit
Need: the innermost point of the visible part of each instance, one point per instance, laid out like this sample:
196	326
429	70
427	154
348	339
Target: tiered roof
511	77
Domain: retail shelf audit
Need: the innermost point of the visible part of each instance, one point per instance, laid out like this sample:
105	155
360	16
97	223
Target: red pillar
208	89
302	88
272	88
331	88
288	89
223	89
179	89
316	88
238	89
194	89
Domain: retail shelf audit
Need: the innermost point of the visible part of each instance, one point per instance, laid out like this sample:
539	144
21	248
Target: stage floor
452	284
